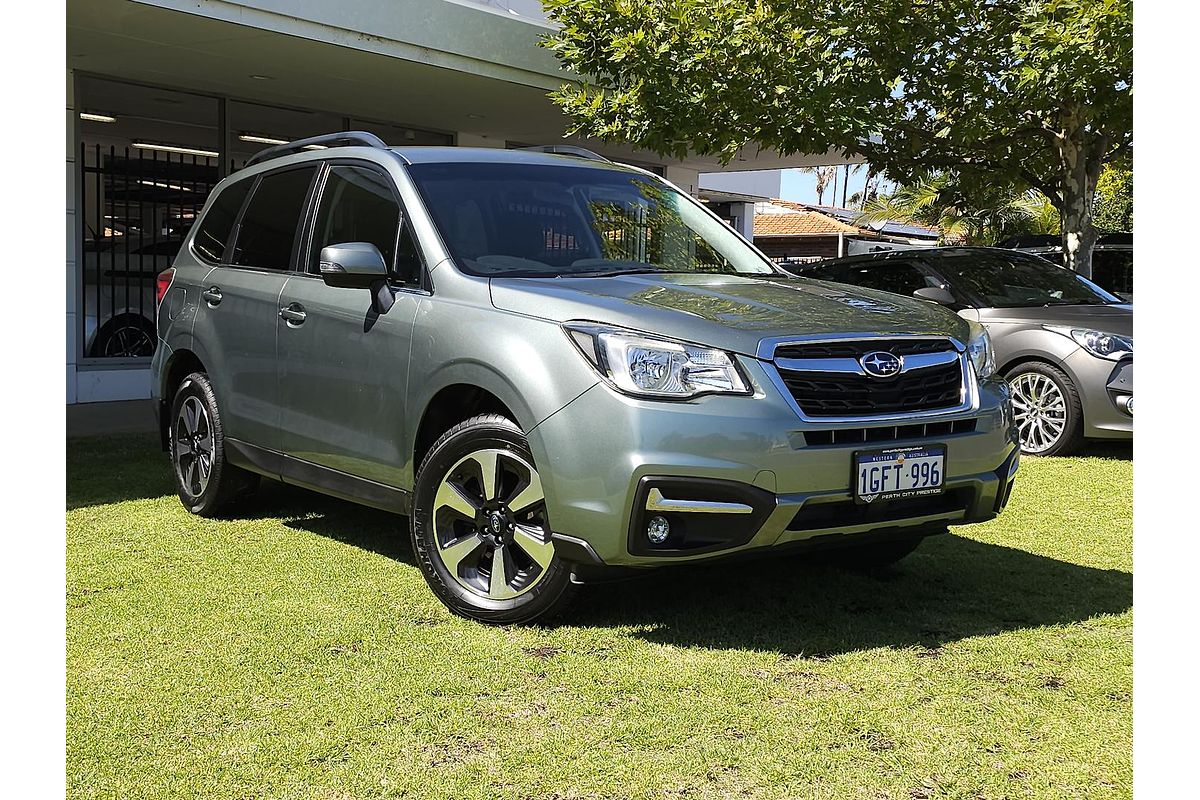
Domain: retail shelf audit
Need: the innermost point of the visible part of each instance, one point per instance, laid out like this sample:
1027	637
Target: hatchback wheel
207	482
480	528
1047	409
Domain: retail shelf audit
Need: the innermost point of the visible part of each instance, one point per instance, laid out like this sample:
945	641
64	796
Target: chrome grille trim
956	351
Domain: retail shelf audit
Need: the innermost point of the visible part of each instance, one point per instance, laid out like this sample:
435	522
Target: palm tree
823	175
980	215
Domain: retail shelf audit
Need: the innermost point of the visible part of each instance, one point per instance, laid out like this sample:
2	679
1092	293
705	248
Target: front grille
854	349
889	433
833	394
847	512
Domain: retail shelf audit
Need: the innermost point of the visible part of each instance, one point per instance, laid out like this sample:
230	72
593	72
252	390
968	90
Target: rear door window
214	231
267	233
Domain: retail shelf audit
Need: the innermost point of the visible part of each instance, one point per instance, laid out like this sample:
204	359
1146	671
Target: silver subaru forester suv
558	368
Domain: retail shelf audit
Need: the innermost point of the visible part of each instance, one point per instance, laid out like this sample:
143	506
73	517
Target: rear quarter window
213	234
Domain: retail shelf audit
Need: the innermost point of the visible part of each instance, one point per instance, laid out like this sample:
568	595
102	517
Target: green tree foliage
974	214
1114	200
1033	93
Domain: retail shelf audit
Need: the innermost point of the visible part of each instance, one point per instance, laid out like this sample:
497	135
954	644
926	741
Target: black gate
137	205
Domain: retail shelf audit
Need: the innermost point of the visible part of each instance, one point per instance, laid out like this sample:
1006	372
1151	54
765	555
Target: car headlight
648	366
1112	346
979	348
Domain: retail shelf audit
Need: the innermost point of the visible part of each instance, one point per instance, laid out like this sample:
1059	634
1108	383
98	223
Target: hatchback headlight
979	348
1112	346
647	366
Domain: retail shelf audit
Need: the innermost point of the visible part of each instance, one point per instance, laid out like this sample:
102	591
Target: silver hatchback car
1064	344
557	367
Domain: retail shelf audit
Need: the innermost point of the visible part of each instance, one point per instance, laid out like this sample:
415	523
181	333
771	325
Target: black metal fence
136	207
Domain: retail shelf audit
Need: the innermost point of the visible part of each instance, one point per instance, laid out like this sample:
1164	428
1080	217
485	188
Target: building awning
459	67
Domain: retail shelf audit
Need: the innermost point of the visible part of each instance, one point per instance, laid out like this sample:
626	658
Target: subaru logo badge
879	364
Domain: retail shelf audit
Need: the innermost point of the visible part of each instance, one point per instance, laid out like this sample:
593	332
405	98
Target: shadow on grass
1120	450
950	589
342	521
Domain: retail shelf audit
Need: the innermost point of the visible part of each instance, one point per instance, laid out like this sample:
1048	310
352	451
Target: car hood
1110	319
731	312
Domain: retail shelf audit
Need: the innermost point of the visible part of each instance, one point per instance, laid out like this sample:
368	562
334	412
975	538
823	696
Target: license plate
900	472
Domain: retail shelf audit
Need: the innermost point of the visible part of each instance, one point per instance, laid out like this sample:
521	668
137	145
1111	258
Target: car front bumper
752	461
1106	392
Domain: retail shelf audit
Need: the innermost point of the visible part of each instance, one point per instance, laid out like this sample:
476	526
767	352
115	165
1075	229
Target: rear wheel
480	528
207	482
1048	412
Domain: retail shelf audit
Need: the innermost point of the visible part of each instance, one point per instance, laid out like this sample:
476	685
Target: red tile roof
800	220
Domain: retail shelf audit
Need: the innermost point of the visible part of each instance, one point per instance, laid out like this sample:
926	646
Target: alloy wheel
129	341
1040	410
489	519
193	446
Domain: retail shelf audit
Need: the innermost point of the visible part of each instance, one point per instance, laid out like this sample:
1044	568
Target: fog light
658	530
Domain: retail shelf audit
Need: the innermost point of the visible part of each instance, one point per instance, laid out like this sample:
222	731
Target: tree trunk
1080	161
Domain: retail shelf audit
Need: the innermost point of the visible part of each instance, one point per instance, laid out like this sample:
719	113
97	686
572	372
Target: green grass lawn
295	652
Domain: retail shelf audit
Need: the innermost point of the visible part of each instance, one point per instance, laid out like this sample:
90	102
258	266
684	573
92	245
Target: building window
148	158
254	127
401	136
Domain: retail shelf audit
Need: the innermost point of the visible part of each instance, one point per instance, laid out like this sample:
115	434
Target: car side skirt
316	477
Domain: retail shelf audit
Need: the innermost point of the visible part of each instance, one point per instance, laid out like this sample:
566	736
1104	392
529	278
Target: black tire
225	483
548	594
874	556
1071	438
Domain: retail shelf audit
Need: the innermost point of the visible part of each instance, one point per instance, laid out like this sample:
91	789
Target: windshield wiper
1081	302
608	273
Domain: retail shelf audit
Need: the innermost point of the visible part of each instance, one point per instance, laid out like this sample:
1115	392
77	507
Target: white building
164	97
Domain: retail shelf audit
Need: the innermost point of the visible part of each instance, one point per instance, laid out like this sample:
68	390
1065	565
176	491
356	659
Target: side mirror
353	265
934	294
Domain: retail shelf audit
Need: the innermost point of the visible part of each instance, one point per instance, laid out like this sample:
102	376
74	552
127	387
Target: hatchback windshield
538	220
1006	280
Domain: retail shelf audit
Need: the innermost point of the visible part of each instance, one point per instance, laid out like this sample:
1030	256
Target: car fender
528	364
1032	344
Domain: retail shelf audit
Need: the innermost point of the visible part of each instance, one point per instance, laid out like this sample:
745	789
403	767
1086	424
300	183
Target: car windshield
1013	280
547	221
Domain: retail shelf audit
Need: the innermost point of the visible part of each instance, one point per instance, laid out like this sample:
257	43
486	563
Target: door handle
293	313
212	295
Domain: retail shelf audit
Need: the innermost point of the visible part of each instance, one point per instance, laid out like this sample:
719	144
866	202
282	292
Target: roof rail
567	150
343	139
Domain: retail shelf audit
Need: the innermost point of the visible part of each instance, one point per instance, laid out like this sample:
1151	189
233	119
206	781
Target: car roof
912	252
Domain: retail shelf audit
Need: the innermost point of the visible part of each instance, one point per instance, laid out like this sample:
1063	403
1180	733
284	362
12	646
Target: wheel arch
450	405
183	362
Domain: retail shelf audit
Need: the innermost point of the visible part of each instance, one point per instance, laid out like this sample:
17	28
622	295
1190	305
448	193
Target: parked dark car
1064	344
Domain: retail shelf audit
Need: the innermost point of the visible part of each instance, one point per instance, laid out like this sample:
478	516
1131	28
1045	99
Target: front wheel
1048	412
480	528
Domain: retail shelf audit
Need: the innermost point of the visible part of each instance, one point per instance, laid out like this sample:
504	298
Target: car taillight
164	282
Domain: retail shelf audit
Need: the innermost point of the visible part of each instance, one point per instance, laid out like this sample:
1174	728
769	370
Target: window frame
297	237
301	267
252	180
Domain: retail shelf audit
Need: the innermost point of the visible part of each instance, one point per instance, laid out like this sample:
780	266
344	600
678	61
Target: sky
800	187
